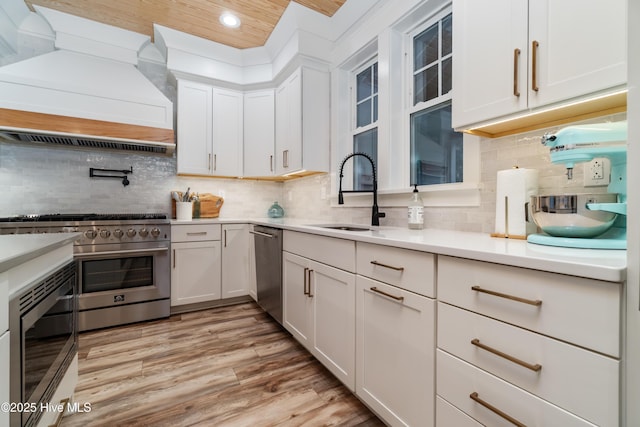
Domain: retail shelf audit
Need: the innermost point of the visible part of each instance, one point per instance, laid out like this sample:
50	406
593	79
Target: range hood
79	100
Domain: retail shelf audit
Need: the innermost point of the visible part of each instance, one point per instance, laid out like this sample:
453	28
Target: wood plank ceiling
197	17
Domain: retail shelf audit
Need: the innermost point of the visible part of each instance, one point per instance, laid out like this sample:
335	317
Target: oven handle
121	252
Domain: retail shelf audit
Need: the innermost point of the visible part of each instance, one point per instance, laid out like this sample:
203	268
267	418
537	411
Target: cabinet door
289	124
582	47
195	272
235	260
227	132
395	366
194	128
489	75
297	306
4	373
333	294
259	133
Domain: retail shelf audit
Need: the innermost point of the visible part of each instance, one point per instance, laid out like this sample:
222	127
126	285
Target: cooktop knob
105	234
143	232
155	232
117	233
91	234
131	232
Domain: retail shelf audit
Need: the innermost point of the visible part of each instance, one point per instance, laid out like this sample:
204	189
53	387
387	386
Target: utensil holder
184	211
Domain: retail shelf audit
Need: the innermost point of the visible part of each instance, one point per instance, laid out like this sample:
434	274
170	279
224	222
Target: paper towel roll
513	189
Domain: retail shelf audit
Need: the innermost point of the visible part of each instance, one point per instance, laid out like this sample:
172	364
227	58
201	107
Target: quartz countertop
607	265
16	249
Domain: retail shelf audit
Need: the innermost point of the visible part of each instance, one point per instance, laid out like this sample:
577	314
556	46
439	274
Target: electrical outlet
597	173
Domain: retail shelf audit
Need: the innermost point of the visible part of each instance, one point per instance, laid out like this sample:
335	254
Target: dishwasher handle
260	233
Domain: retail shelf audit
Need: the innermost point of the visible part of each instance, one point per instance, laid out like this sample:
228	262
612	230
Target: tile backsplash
43	179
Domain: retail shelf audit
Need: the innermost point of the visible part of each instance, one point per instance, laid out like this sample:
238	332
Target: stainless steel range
123	263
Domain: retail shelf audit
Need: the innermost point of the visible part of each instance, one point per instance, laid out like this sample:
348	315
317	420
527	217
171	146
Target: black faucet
375	213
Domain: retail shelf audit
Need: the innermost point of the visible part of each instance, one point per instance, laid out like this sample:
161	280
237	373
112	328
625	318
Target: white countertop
16	249
608	265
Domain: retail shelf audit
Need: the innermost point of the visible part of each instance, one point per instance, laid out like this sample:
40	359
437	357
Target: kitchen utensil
596	223
570	216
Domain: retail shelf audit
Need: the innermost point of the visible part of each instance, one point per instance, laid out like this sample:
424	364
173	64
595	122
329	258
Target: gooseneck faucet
375	213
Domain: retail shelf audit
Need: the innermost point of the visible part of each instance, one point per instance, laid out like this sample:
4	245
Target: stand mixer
583	143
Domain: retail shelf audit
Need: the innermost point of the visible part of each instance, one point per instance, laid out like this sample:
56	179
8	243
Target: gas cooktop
68	217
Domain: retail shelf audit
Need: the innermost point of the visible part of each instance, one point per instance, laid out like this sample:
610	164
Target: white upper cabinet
259	133
302	122
514	55
210	129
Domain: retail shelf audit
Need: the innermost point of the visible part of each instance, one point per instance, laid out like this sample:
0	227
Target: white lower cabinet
395	362
448	415
482	395
235	260
319	311
196	252
4	373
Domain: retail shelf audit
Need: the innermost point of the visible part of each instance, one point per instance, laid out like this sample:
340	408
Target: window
365	130
436	154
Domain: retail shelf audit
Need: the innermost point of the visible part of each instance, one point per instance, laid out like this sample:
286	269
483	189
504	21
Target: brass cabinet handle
199	233
64	403
174	259
535	368
374	289
215	162
209	164
537	302
310	294
475	398
516	62
271	162
306	282
534	65
285	158
225	238
379	264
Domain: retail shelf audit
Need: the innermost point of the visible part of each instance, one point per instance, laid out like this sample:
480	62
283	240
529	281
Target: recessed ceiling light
230	20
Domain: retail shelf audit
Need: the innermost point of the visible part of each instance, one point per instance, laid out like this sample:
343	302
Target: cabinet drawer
582	311
195	232
405	268
573	378
457	381
448	415
338	253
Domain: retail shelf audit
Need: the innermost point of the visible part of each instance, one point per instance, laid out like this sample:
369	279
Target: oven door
112	275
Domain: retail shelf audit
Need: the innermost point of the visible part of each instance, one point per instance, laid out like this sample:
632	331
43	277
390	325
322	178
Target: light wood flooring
228	366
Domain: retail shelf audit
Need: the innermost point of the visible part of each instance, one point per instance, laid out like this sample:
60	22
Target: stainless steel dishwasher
268	248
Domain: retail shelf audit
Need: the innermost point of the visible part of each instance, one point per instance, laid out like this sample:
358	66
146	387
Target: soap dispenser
415	213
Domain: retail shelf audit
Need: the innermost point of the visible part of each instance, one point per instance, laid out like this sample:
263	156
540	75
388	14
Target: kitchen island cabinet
196	260
319	300
517	55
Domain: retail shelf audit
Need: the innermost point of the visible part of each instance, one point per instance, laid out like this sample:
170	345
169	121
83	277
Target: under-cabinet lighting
229	20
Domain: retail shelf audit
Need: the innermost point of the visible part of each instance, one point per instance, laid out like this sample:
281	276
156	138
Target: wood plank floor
228	366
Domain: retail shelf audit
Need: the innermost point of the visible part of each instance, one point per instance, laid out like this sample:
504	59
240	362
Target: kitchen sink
344	227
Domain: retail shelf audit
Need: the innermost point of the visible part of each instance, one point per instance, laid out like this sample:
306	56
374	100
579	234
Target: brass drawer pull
475	398
516	58
199	233
379	264
64	403
534	65
536	302
374	289
310	294
535	368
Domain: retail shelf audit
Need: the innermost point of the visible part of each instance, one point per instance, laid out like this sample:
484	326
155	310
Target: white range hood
71	98
86	93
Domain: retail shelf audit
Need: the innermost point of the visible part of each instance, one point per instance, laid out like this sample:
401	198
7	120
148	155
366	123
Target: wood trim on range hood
27	122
